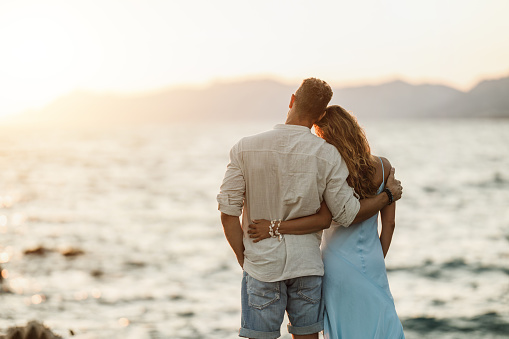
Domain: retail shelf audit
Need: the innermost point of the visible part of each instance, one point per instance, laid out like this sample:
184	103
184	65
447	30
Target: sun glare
40	58
52	47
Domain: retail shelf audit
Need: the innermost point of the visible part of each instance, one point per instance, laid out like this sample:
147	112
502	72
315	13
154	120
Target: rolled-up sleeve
339	196
232	192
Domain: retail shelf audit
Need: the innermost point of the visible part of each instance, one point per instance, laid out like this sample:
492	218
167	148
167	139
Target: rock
39	250
33	330
96	273
71	252
15	333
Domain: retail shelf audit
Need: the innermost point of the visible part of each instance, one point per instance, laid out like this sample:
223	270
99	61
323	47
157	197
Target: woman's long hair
341	129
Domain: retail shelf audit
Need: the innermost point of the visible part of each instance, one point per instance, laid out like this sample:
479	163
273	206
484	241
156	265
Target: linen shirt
285	173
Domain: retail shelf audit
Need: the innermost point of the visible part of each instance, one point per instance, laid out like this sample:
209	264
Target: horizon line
285	81
250	78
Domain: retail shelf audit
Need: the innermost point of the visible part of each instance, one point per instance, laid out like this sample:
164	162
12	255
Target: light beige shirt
285	173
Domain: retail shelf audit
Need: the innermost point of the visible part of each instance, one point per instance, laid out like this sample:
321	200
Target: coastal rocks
33	330
39	250
42	251
71	252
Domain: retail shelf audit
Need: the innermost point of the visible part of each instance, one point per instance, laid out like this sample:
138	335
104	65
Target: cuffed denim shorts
264	305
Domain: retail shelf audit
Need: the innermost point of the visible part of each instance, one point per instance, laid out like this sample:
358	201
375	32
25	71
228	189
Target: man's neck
294	119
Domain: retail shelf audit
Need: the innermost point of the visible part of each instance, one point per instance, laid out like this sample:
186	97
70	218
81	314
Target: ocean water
115	233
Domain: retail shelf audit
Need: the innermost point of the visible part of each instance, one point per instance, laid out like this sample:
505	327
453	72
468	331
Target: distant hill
268	100
397	99
489	99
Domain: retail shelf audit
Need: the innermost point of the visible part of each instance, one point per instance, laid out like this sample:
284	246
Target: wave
431	270
496	181
490	322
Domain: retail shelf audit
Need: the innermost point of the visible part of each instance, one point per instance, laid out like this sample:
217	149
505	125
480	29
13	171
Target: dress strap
383	172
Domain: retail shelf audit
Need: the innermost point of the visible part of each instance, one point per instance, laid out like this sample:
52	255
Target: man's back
283	174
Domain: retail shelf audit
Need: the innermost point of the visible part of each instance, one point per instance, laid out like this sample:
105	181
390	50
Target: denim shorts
264	305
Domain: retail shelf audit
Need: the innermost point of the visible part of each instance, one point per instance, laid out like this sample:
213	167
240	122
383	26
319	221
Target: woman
358	301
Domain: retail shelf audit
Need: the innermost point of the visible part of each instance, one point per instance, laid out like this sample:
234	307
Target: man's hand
394	186
241	261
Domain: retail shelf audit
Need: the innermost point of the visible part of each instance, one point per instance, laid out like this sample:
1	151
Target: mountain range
268	100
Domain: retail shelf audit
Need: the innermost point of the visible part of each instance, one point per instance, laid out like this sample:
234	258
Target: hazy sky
52	47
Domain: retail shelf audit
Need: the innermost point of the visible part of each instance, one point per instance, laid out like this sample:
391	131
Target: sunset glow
46	55
54	47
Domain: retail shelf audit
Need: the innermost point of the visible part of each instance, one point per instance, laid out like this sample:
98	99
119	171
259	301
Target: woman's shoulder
385	169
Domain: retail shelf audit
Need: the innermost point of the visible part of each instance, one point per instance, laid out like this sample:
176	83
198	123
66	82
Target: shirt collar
293	127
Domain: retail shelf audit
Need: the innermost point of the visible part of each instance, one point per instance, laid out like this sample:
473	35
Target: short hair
312	97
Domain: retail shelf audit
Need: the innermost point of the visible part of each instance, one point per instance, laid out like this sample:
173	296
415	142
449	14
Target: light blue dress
358	301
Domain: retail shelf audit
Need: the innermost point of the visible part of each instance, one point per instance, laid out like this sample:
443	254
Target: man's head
311	99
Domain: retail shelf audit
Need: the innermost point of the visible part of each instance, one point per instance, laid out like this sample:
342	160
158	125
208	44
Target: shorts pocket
310	288
261	294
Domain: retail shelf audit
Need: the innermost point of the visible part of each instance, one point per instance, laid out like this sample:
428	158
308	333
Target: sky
52	47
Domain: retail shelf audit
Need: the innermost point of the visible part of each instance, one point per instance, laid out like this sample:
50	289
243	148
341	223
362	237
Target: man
285	174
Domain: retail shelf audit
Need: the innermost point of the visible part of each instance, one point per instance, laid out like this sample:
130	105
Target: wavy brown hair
341	129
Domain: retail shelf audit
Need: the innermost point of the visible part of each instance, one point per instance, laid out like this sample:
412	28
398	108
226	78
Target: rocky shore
33	330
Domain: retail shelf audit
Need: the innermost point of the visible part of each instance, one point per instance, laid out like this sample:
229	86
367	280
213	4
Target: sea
113	232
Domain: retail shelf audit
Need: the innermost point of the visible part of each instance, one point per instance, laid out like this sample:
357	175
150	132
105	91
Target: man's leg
305	307
307	336
263	308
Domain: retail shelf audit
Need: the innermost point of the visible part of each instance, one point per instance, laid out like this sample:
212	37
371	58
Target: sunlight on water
116	233
37	299
6	256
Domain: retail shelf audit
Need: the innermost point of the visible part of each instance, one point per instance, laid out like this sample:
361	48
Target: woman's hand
394	186
259	230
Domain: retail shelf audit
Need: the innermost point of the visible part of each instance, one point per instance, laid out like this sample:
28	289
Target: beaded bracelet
389	195
276	232
271	229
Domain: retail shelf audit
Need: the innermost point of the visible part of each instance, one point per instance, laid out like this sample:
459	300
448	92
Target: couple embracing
290	186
